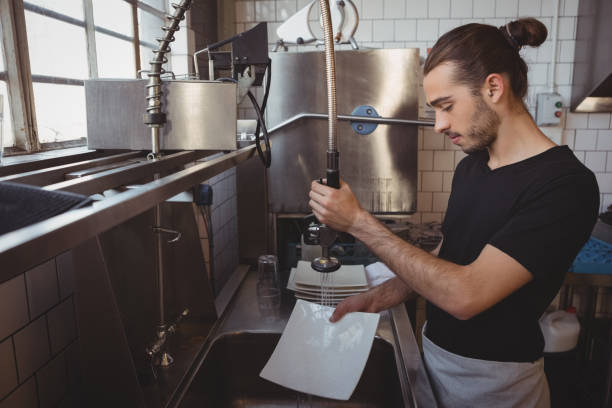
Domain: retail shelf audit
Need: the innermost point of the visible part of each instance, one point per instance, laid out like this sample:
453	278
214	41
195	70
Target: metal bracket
364	128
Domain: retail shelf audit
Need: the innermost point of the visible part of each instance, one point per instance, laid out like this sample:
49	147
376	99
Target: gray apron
459	381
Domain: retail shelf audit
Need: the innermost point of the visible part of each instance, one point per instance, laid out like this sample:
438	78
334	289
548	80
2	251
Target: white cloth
462	382
378	273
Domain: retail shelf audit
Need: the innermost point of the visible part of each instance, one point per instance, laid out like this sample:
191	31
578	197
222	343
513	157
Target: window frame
20	80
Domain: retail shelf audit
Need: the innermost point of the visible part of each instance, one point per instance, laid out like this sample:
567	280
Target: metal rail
37	164
56	174
130	173
351	118
32	245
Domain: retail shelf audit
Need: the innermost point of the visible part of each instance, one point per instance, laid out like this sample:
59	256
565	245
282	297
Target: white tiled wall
418	23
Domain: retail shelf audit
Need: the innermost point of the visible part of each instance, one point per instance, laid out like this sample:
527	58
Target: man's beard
483	132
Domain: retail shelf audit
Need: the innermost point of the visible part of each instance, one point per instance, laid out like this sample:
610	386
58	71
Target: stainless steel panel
381	167
201	115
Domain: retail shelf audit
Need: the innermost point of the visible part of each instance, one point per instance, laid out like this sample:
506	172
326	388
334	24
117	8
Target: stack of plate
347	281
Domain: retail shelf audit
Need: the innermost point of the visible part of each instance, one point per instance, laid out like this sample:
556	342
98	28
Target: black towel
22	205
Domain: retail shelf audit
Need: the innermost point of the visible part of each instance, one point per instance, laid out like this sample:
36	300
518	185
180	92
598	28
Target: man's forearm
390	293
437	280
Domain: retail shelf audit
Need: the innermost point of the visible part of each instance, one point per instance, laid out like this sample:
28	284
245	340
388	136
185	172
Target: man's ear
494	87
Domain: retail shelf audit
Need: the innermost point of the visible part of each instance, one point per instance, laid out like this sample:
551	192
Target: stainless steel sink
226	373
229	377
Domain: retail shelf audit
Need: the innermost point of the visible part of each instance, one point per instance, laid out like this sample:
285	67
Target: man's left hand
337	208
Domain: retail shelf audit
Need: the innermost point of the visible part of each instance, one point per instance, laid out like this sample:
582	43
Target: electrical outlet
549	109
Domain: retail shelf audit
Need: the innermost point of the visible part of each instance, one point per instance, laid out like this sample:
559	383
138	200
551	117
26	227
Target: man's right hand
381	297
362	302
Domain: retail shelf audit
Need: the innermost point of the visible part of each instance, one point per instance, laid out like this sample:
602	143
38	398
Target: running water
327	290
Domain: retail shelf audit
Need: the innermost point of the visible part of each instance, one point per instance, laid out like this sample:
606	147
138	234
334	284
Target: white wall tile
285	9
563	74
577	121
265	10
537	74
568	138
544	52
432	181
415	8
447	181
567	28
394	45
604	180
405	30
372	9
383	30
571	8
394	8
566	50
424	201
548	8
447	25
427	30
432	140
566	94
444	160
529	8
425	160
364	31
579	155
585	139
440	202
609	163
439	9
431	217
245	11
484	8
506	8
599	120
596	161
604	140
529	54
461	8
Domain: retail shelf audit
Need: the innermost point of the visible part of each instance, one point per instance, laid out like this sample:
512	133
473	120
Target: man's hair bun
525	31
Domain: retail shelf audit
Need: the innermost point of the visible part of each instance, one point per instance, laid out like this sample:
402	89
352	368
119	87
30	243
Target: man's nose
441	124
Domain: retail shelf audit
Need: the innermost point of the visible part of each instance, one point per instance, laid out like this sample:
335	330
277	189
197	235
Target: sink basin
229	377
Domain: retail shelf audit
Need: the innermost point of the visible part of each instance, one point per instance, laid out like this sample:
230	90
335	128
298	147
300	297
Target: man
519	211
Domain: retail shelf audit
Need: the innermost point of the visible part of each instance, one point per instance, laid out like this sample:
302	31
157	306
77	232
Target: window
115	57
59	99
8	139
70	8
46	36
61	59
114	15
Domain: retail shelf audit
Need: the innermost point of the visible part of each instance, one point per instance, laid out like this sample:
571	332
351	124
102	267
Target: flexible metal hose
154	117
330	71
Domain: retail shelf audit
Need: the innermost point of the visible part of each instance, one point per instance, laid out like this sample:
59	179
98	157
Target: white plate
317	299
348	276
316	290
322	358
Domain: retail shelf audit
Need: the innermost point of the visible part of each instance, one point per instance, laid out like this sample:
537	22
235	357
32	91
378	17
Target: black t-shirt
540	211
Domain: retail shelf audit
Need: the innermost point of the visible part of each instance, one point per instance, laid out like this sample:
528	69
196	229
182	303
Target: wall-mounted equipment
549	109
592	82
344	21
